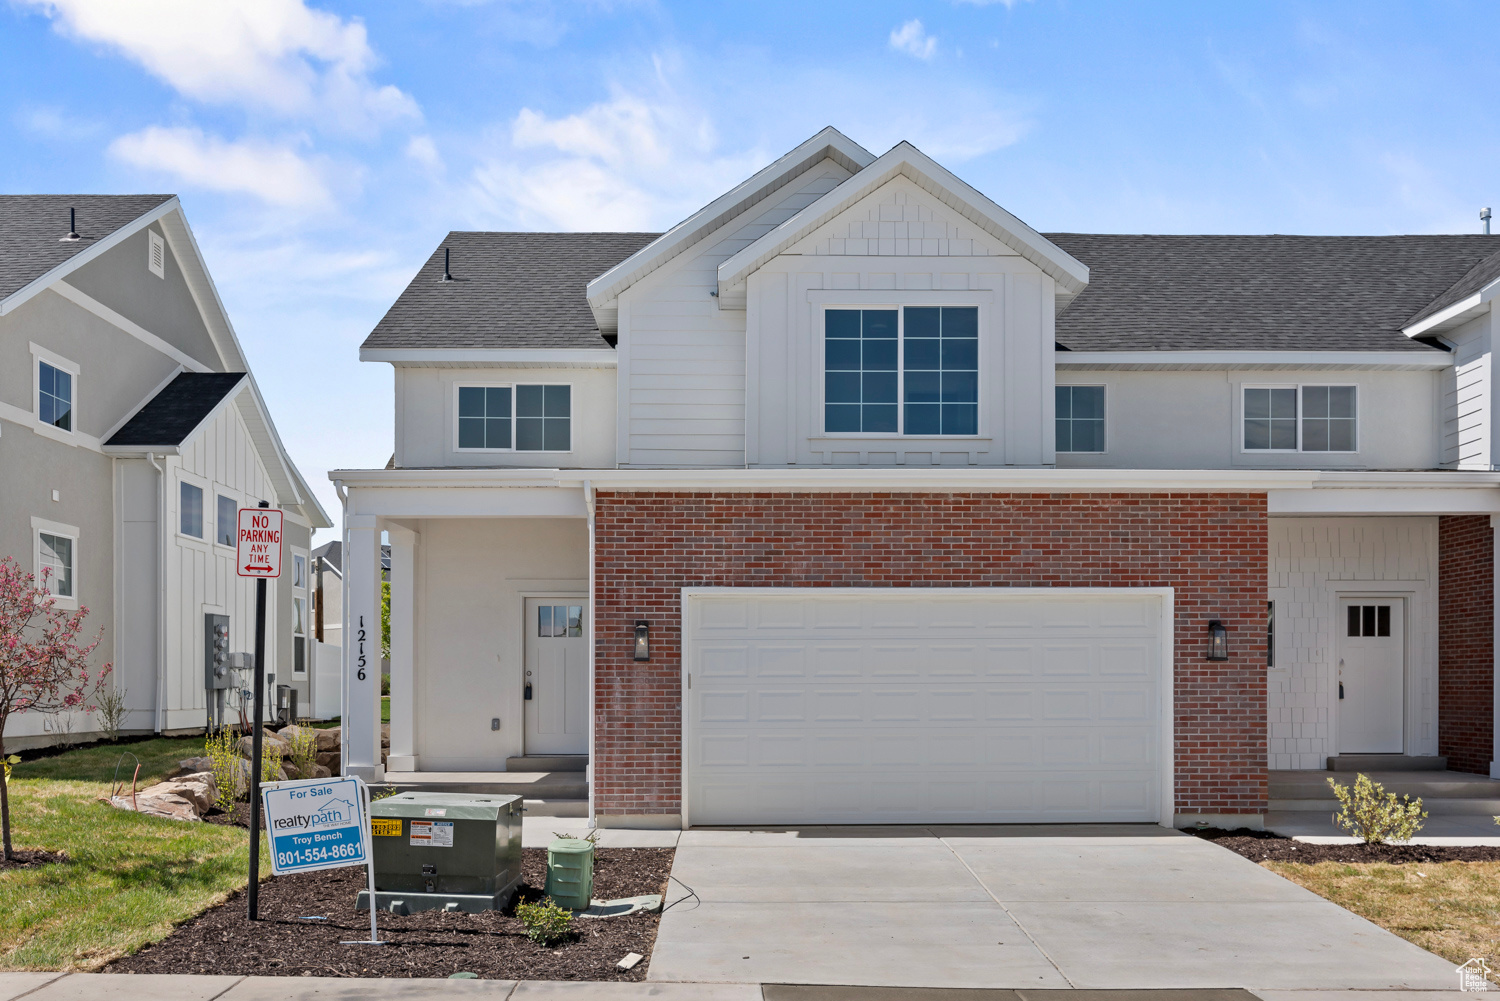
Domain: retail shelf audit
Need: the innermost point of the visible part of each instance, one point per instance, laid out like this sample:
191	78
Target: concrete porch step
1435	807
1387	763
528	785
548	763
1441	792
559	808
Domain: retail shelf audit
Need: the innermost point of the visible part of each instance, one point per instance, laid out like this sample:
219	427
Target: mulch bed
1263	846
427	944
22	858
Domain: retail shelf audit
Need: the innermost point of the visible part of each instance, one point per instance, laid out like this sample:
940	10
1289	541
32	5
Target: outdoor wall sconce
642	639
1218	641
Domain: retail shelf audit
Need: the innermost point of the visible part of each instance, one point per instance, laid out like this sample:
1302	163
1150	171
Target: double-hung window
226	521
190	510
299	613
1300	419
907	371
55	556
1080	418
516	418
54	396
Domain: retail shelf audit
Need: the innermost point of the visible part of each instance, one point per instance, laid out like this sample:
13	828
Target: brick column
1467	627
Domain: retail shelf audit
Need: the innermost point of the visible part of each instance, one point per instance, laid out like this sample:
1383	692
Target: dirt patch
429	944
1263	846
31	859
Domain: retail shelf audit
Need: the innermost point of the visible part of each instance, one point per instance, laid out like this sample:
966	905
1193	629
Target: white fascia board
78	260
904	159
521	357
1460	312
830	143
999	480
1211	360
205	294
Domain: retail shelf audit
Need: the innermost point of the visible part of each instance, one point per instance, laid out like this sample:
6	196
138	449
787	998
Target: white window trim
40	354
512	385
1298	386
156	249
1108	437
306	568
217	493
820	402
207	540
41	525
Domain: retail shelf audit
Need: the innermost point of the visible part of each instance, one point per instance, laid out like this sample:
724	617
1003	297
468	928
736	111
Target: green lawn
128	879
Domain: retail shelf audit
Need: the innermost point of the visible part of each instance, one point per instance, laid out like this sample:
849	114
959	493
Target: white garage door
923	705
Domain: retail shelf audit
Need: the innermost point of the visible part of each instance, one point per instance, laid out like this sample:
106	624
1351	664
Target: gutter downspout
344	634
161	596
588	500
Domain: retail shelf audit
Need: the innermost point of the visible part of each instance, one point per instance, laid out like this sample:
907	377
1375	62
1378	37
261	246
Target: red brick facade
1466	642
1210	547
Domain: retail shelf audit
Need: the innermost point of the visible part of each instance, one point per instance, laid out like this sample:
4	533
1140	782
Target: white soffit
1348	361
829	144
1459	313
904	159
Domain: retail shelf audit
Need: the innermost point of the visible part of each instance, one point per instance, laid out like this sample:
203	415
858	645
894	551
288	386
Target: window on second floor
1080	418
908	371
190	510
54	396
530	418
227	521
1300	419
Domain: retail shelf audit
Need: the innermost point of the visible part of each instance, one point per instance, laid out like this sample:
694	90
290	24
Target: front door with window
1371	676
557	676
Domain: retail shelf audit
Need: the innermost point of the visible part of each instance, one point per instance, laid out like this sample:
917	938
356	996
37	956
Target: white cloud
424	151
911	39
272	55
624	164
276	174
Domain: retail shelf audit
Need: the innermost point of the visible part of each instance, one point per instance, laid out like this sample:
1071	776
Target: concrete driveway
1042	907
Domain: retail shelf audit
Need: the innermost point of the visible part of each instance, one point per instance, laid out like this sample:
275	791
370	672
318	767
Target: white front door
923	705
1371	675
557	676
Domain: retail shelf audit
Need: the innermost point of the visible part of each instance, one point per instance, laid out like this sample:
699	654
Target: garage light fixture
1218	641
642	639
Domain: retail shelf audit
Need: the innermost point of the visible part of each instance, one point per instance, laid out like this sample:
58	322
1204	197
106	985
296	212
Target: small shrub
302	749
270	761
15	759
1374	815
545	922
110	701
220	748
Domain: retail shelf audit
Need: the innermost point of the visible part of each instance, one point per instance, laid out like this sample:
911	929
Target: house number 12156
361	674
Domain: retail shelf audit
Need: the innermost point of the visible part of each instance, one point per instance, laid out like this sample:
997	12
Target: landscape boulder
329	739
192	766
187	798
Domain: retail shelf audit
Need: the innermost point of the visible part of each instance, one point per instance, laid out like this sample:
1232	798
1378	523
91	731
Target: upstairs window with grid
909	371
1300	418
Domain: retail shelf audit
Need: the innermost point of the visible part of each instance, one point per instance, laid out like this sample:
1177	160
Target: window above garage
908	370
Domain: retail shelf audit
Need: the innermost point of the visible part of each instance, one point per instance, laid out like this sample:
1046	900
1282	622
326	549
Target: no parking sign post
258	555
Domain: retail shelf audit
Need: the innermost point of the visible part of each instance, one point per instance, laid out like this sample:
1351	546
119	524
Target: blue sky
323	149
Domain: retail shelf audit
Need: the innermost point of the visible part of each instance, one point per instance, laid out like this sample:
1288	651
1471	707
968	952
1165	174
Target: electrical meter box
444	851
216	652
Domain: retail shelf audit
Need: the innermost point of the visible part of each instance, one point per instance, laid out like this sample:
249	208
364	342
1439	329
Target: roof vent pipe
1484	217
448	275
72	225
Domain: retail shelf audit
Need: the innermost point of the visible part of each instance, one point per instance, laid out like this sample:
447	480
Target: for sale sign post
258	546
315	824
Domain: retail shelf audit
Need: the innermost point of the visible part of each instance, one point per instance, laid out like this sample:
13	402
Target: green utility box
570	873
444	851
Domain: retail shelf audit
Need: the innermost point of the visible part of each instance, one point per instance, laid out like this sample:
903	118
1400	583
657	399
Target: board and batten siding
1468	433
201	576
1312	562
682	359
899	246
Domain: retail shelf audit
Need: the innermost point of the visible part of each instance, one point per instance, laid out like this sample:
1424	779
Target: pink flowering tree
43	666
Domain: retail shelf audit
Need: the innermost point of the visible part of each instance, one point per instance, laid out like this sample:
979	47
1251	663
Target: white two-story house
131	430
853	498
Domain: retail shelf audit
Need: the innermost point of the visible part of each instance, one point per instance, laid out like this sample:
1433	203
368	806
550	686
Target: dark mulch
239	817
1263	846
22	858
429	944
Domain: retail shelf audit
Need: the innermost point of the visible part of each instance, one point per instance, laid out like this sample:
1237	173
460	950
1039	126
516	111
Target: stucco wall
472	578
1210	548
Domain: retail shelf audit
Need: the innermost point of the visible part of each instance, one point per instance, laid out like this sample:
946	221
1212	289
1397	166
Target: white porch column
403	648
361	724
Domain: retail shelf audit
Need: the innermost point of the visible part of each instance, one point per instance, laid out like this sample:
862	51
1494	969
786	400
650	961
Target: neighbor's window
191	514
54	396
519	418
1300	418
55	554
1080	418
227	522
910	371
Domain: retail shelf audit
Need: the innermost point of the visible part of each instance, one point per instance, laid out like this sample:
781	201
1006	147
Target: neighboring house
853	498
130	433
328	590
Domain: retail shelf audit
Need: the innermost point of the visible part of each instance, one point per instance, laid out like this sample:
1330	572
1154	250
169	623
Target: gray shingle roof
1258	293
173	414
510	290
32	228
1477	278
